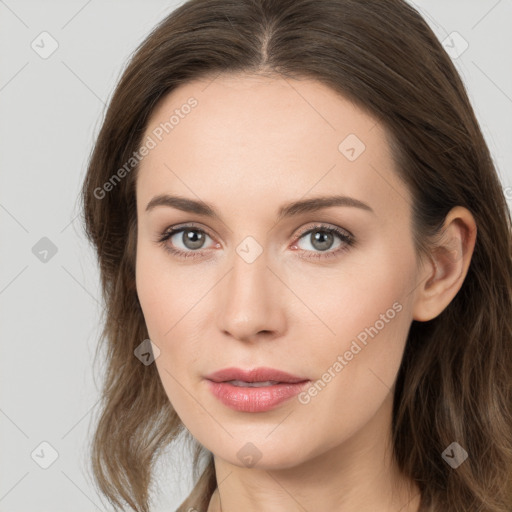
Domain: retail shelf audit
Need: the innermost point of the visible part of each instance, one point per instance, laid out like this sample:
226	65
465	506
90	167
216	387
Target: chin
269	455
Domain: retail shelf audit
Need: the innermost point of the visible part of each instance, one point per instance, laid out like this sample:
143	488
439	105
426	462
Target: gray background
49	311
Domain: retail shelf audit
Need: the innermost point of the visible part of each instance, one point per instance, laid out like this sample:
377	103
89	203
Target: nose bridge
248	280
248	303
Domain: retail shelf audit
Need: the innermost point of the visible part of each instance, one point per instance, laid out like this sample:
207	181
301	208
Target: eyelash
347	239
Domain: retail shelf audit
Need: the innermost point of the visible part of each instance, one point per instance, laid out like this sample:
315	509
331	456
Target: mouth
245	384
256	390
261	375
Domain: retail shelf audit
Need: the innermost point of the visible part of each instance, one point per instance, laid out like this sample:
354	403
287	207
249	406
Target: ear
441	278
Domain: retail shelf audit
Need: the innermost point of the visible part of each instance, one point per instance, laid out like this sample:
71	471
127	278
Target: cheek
173	302
355	334
165	293
363	336
366	294
166	309
153	302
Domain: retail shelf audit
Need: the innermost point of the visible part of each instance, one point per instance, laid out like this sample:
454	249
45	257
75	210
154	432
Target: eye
321	238
192	239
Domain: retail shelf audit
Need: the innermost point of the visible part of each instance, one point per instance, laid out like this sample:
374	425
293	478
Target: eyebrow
288	210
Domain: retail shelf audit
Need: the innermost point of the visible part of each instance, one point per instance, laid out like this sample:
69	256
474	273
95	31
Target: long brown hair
454	383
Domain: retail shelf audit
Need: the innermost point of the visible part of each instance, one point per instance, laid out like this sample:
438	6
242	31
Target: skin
251	145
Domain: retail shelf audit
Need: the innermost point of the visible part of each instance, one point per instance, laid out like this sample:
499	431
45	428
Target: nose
251	301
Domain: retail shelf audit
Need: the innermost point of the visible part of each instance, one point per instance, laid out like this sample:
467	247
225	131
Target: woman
305	258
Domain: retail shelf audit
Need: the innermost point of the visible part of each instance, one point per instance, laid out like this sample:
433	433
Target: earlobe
449	260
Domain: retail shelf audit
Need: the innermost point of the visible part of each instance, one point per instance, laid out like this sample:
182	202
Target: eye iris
193	239
323	238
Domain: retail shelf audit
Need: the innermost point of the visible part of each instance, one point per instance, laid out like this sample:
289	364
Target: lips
256	390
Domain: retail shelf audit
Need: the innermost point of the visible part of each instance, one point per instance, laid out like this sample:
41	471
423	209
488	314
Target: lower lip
252	399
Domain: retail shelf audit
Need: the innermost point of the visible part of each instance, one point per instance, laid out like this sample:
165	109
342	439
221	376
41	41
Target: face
324	294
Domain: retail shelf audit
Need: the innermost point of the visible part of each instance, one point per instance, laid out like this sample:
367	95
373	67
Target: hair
454	381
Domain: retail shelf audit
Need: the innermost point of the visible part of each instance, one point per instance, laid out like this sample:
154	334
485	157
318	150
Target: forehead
261	112
260	136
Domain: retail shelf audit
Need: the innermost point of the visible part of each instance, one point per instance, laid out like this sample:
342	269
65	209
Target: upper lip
261	374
